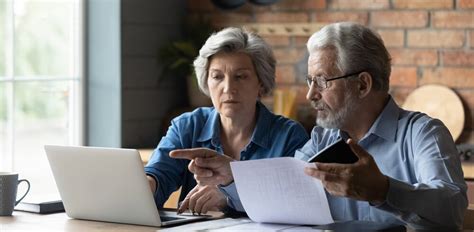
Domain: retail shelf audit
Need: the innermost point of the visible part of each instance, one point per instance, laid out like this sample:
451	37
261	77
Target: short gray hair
358	48
237	40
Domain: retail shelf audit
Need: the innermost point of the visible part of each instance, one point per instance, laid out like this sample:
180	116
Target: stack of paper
278	191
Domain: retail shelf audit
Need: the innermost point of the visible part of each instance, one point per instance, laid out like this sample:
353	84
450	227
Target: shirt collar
386	124
260	134
211	127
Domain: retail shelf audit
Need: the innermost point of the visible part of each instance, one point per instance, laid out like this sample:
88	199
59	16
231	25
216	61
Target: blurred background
115	72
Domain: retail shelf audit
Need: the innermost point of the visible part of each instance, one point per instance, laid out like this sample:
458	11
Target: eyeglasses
322	83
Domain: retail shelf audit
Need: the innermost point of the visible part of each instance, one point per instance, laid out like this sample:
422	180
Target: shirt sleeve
233	200
168	172
438	199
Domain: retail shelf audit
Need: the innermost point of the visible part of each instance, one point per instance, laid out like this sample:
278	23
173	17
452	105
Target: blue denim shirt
417	153
273	136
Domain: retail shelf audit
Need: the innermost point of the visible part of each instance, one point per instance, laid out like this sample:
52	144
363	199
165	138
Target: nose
313	93
228	85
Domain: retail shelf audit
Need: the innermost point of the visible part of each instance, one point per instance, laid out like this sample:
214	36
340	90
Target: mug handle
24	195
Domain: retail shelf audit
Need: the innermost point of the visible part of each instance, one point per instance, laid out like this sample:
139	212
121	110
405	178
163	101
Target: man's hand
208	166
361	180
202	199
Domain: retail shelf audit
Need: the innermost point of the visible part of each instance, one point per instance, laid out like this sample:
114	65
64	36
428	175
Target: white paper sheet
240	224
278	191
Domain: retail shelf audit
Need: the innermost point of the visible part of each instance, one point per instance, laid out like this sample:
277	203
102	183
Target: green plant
177	57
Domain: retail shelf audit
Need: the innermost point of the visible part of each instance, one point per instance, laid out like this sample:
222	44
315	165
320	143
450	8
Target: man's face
336	103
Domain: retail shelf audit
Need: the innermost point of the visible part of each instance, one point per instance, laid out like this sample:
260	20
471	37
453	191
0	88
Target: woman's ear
365	84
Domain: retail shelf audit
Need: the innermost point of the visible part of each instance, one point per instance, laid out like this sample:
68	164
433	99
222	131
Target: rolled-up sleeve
168	172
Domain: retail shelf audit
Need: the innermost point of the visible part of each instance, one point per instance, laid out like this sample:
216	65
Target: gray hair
358	48
237	40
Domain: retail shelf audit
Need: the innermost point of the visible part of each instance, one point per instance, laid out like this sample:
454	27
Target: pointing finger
192	153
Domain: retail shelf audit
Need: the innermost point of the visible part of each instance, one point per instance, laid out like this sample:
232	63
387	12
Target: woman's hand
202	199
208	166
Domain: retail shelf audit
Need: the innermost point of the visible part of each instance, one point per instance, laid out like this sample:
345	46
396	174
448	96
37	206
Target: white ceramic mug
8	187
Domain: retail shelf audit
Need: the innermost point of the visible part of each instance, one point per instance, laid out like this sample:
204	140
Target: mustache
318	105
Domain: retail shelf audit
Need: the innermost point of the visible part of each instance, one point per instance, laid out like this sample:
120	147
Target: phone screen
338	152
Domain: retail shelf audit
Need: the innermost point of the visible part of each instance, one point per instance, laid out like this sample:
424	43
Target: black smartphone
338	152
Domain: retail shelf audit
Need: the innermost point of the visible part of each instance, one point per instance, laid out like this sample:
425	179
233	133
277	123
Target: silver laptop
107	184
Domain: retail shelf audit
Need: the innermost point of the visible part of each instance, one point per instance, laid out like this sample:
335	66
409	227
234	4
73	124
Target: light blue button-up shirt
417	153
273	136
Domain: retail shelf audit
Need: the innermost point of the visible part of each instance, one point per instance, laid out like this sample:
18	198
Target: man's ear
365	84
261	90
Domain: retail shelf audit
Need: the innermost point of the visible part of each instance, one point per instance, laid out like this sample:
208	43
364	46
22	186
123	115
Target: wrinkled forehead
323	62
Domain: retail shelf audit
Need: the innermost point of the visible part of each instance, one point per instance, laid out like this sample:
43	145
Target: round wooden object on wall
439	102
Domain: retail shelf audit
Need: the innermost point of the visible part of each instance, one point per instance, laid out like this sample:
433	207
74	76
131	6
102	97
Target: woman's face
233	84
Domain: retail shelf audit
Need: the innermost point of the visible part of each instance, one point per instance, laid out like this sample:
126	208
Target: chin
327	123
229	113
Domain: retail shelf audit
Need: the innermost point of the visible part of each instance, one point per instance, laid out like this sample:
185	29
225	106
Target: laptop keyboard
168	218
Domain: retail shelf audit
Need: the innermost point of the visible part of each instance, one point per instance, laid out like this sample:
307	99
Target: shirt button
243	158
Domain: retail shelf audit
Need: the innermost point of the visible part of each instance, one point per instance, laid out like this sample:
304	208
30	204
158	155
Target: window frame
75	82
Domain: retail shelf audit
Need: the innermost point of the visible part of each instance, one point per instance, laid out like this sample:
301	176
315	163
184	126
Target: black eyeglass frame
310	80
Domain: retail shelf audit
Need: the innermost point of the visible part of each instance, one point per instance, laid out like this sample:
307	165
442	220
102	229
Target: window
40	85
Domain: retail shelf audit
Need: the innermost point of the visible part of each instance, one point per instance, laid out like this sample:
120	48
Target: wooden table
22	221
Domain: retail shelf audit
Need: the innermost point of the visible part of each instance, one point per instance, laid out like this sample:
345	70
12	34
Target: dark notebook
41	207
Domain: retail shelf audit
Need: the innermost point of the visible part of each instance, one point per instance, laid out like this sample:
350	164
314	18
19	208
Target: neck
366	114
236	132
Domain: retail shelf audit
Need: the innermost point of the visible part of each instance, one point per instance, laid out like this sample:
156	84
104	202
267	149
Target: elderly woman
235	68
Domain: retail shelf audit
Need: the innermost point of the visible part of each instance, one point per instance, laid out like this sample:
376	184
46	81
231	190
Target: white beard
335	120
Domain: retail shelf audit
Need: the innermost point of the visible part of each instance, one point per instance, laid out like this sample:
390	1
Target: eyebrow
239	69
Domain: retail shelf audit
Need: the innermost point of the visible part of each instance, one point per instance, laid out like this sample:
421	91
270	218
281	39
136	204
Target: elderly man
408	171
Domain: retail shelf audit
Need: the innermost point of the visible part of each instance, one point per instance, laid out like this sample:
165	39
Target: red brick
452	77
359	4
458	58
471	39
221	19
436	38
332	17
465	4
277	40
285	74
392	38
424	4
299	5
452	19
271	17
420	57
300	41
403	76
407	19
289	56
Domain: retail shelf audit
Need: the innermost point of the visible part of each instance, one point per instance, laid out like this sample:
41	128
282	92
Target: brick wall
431	41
